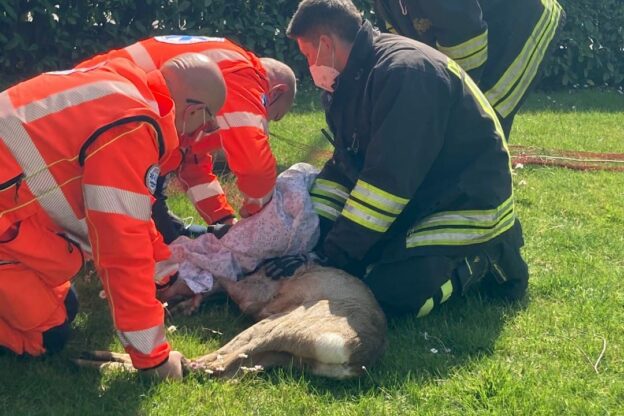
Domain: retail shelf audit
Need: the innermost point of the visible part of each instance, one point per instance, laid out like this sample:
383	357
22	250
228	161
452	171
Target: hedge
39	35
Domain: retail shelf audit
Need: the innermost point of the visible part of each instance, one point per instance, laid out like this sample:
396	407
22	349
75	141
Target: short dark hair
316	17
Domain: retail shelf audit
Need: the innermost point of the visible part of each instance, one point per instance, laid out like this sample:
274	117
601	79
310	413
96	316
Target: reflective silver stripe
117	201
508	104
75	96
165	268
141	57
330	189
261	201
38	178
458	237
483	102
474	61
515	70
144	341
242	119
325	208
465	49
378	198
204	191
367	217
219	55
5	262
481	218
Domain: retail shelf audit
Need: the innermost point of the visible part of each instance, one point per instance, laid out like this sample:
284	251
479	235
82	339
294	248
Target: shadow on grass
420	351
430	349
423	351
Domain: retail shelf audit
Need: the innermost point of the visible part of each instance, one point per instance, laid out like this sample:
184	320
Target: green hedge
591	47
39	35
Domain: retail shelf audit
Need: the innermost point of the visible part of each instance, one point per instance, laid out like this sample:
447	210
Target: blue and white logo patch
151	178
186	39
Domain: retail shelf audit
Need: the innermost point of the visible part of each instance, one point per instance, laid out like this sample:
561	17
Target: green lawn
559	352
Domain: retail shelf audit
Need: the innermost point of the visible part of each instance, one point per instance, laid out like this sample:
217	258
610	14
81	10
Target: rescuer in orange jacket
258	90
81	152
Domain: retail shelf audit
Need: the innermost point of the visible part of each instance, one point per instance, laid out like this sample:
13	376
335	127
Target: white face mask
324	76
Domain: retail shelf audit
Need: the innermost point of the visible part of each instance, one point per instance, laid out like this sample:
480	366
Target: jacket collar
361	51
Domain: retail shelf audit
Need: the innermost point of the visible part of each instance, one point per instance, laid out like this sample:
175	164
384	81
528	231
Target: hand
221	227
285	266
105	360
173	368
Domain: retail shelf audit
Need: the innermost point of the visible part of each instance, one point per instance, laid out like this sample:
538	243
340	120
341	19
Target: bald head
282	87
193	79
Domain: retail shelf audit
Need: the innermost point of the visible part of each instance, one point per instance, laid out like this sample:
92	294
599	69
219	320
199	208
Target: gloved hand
221	227
285	266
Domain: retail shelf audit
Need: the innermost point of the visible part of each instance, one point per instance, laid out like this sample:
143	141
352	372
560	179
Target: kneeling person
417	198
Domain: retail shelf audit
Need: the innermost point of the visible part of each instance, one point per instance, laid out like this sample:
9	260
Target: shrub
40	35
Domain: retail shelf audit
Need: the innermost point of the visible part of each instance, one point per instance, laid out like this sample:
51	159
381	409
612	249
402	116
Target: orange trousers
36	267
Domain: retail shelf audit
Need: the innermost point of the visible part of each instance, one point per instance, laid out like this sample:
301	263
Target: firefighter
81	152
500	43
259	90
417	198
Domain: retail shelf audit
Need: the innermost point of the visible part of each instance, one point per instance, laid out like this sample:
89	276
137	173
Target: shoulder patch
422	25
151	178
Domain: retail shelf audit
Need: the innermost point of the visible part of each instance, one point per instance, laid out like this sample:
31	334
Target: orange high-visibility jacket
243	122
83	147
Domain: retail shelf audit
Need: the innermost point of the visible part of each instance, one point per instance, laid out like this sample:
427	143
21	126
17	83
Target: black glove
221	227
285	266
194	230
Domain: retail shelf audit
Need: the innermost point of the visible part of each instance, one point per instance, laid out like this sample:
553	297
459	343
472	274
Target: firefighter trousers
419	284
36	300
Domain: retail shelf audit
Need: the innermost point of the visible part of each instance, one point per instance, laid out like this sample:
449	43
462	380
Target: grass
543	356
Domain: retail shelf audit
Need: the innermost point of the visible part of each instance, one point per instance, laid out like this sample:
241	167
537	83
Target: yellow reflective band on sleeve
366	217
326	208
517	78
475	61
426	308
447	291
379	198
330	189
466	49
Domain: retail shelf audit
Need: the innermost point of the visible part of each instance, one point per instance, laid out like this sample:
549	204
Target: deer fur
321	319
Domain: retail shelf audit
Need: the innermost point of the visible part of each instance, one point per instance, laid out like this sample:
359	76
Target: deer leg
254	346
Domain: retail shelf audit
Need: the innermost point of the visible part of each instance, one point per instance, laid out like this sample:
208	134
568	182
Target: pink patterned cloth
287	225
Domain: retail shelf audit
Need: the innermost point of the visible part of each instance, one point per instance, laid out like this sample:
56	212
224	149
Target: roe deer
321	319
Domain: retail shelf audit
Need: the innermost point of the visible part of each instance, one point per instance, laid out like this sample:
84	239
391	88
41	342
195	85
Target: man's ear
277	91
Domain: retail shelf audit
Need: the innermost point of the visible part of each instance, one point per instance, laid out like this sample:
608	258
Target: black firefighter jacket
419	167
500	43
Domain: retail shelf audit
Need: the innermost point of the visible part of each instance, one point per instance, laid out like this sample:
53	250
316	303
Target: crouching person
81	152
417	199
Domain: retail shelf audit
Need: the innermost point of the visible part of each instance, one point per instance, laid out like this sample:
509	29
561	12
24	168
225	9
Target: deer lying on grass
321	319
